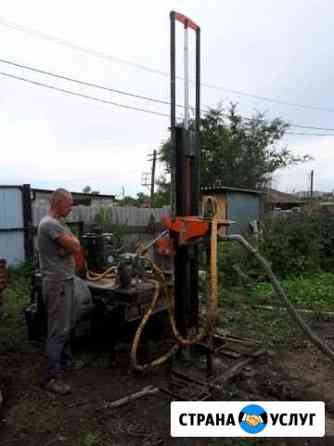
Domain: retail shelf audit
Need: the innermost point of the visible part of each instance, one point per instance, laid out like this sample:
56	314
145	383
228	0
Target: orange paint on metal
165	247
187	22
187	227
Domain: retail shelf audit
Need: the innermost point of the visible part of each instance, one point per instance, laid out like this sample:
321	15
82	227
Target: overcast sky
281	50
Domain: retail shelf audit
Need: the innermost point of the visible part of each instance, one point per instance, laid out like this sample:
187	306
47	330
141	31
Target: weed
91	439
313	292
16	297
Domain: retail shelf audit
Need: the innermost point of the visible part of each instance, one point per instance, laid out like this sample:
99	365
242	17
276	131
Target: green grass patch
314	292
241	313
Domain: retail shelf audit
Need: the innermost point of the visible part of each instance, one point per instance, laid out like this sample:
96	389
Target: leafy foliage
140	201
295	245
16	297
239	152
299	243
89	190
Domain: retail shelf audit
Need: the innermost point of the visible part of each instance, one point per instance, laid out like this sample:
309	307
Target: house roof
220	189
50	191
80	194
275	196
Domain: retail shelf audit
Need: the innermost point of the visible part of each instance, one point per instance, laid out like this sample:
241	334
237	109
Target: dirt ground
31	416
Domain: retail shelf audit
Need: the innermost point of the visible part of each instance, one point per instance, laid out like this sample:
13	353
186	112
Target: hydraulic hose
281	293
162	284
107	274
139	332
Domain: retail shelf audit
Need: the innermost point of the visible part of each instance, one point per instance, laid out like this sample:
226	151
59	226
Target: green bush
294	245
23	271
16	297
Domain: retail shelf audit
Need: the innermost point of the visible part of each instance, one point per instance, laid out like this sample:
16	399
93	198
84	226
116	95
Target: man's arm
69	242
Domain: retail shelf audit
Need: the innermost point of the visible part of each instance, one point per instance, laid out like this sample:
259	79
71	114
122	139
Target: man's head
61	203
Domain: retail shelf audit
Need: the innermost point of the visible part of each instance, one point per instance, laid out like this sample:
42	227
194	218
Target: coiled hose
281	293
161	283
107	274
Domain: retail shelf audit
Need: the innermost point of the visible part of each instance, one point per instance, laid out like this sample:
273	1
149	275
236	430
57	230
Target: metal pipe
172	110
186	76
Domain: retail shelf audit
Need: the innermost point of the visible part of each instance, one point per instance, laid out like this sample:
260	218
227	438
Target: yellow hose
162	283
107	274
139	332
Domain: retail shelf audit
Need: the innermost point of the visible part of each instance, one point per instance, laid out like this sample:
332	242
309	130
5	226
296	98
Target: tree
140	201
239	152
162	195
88	190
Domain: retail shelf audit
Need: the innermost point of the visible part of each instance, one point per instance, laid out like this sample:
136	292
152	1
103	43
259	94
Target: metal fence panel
242	208
11	212
11	225
12	247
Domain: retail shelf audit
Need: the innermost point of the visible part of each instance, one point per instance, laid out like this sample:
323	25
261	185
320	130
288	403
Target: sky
279	50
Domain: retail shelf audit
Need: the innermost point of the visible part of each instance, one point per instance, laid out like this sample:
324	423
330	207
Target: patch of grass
91	439
270	328
274	329
36	417
95	438
313	292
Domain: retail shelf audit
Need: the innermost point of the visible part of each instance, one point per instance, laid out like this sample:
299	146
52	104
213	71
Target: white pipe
186	78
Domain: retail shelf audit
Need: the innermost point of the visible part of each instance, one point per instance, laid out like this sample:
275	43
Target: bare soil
32	416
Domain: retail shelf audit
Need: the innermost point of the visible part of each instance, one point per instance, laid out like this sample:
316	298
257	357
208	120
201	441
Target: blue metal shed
239	205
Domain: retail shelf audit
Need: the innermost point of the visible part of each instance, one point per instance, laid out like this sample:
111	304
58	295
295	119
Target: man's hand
62	252
69	244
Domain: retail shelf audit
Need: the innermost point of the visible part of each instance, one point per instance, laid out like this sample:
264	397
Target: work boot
56	385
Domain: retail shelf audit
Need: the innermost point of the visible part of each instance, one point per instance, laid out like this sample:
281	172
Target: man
57	247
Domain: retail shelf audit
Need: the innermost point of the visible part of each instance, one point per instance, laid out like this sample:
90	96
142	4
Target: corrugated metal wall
242	208
11	225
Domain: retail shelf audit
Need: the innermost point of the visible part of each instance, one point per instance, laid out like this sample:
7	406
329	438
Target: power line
313	128
107	56
73	46
104	101
93	98
269	99
126	93
85	83
308	134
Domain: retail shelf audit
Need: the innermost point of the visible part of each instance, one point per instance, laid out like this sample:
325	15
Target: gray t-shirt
54	266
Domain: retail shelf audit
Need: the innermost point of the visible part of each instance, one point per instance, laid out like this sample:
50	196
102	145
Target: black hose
281	293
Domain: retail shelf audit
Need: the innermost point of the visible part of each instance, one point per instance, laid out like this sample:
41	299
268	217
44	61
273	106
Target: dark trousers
59	303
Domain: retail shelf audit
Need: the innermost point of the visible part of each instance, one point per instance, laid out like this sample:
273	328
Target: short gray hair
58	195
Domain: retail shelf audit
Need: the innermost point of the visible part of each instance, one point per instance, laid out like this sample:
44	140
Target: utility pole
154	161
